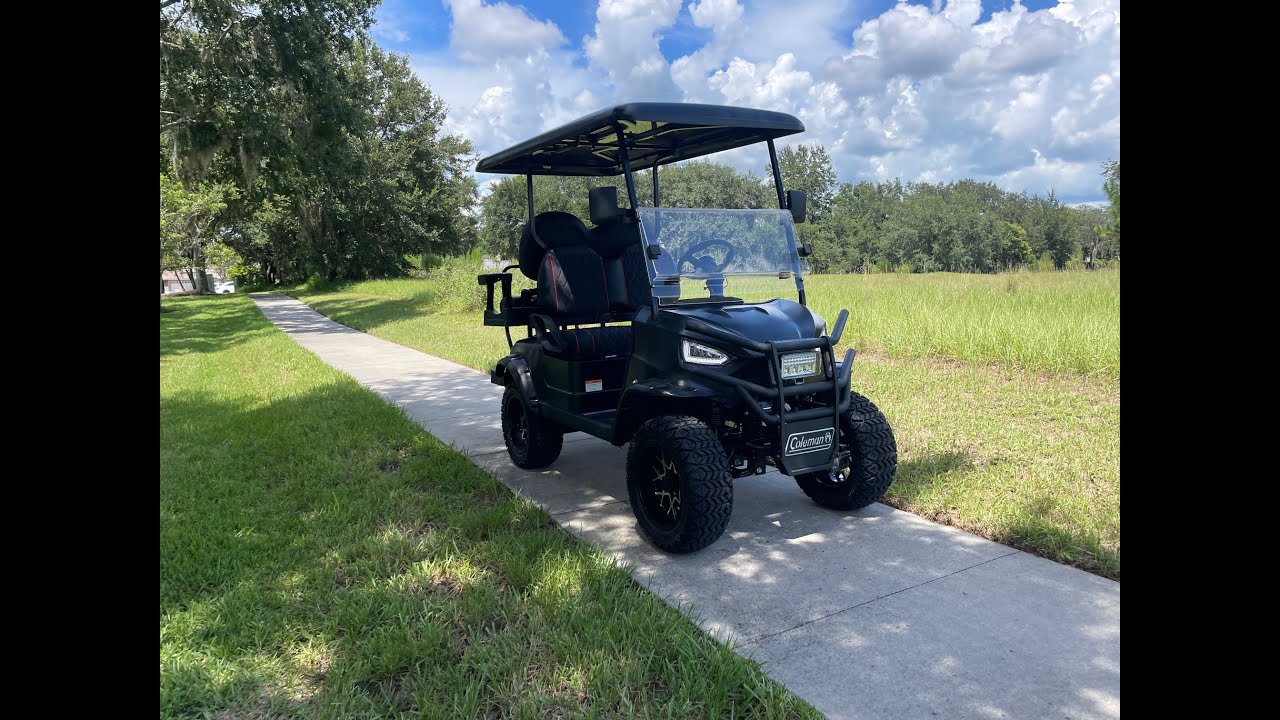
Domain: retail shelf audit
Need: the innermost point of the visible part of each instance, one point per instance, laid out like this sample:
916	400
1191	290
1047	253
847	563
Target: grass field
1055	322
1003	391
322	556
1058	322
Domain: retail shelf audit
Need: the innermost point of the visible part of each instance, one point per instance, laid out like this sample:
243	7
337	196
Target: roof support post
777	176
626	167
533	229
655	182
782	205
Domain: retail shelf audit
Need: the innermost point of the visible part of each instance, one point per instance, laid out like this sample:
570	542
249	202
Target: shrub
456	284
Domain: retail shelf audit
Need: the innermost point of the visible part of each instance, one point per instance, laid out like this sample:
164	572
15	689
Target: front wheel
531	441
679	484
869	460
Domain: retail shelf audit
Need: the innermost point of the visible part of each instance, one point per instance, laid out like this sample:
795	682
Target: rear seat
593	343
572	288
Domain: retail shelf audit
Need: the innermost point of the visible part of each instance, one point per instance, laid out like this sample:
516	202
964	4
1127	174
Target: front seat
617	239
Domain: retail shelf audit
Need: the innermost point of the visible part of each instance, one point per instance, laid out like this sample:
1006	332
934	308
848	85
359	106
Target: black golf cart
634	334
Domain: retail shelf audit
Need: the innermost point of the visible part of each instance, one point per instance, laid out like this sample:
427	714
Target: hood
779	319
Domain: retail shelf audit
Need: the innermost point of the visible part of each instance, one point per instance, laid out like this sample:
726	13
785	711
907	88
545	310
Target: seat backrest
626	279
616	238
555	229
570	275
571	285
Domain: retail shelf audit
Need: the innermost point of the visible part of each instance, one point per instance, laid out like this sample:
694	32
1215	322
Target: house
172	281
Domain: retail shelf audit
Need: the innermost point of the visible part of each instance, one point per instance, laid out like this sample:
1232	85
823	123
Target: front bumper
802	445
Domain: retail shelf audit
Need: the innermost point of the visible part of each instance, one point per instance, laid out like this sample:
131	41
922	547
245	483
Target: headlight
803	364
700	354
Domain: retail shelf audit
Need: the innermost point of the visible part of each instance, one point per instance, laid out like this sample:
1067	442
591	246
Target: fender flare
514	370
645	399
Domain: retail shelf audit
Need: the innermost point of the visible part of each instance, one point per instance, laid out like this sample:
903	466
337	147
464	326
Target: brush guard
808	439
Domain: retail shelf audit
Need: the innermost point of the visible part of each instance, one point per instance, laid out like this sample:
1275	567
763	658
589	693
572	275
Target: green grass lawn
322	556
1065	322
1018	442
1057	322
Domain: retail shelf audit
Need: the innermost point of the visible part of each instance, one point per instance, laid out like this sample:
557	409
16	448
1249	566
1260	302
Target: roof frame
592	145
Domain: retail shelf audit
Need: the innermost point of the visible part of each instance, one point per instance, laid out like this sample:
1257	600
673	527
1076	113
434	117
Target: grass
1066	322
1056	322
322	556
1024	450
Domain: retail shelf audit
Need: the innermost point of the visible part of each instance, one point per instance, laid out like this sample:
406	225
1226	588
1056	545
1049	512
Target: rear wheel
531	441
869	461
679	484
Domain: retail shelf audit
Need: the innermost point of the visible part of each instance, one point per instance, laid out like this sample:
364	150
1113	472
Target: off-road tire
705	500
865	432
531	441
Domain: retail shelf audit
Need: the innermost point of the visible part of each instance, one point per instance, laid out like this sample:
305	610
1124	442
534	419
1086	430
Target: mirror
796	201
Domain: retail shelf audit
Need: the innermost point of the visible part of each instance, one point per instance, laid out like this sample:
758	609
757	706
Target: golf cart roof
656	134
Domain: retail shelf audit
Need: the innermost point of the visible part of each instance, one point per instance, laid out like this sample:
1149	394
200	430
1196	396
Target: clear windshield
710	255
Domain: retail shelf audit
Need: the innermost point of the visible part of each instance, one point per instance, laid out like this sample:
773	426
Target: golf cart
633	333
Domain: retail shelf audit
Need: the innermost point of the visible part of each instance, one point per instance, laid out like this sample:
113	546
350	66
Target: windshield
713	255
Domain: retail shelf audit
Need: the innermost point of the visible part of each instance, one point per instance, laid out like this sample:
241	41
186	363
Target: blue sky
1026	95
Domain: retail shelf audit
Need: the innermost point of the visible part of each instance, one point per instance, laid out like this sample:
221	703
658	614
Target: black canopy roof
656	134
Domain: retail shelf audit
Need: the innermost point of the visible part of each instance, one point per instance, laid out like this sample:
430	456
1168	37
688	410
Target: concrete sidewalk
872	614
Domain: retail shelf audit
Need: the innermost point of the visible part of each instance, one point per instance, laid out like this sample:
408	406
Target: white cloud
625	47
912	40
388	28
768	86
484	32
1027	99
715	14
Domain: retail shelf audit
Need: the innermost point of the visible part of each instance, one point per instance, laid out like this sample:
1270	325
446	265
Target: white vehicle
228	286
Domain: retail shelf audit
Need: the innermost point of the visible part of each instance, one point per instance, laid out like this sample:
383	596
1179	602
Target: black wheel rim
519	424
660	491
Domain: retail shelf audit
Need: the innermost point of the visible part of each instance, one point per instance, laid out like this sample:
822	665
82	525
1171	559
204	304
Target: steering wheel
705	263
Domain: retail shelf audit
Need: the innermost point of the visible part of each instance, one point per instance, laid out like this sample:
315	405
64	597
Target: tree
1056	236
188	222
1111	170
505	210
699	184
334	146
705	184
222	257
809	168
1095	243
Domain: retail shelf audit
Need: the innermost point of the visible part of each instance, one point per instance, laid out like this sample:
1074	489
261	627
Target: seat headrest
614	238
555	229
604	205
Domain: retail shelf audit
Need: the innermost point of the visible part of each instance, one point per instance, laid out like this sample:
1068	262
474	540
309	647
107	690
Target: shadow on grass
1033	527
278	523
322	556
208	324
1035	532
368	314
928	468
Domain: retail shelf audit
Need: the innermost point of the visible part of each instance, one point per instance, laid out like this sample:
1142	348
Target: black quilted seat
570	275
616	239
593	343
627	281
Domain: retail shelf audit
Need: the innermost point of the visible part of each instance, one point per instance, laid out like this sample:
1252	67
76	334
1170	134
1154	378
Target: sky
1022	94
